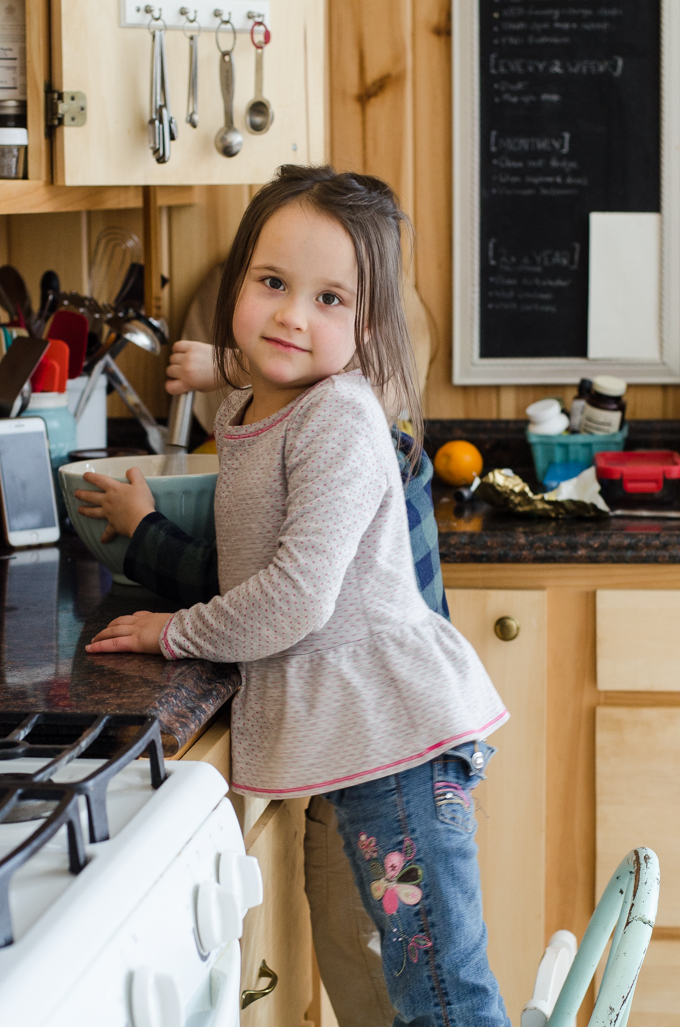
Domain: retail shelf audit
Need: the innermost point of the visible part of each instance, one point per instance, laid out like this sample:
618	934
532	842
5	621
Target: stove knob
242	876
218	917
155	1000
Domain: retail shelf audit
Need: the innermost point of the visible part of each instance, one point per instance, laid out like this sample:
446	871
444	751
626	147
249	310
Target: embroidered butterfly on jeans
398	882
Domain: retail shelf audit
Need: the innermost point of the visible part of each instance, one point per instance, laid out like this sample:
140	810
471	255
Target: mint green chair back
627	907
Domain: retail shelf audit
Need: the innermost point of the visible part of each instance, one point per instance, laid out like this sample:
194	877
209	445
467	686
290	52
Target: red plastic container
639	479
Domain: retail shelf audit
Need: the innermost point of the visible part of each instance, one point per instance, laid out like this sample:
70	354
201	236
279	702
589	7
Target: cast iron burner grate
61	738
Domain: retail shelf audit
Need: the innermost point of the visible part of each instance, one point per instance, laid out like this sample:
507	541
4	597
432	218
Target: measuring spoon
228	140
259	113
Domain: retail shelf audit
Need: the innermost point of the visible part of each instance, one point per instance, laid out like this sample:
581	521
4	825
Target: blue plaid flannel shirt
167	561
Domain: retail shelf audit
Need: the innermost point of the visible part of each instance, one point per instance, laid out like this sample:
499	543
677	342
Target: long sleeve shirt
347	674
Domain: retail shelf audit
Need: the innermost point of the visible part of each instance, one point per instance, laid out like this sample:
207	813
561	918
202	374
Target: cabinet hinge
68	109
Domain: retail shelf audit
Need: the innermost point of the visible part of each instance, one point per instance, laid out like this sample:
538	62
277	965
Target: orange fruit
458	462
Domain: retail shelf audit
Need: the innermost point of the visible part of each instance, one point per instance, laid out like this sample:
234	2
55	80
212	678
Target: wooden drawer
279	931
638	795
511	802
637	640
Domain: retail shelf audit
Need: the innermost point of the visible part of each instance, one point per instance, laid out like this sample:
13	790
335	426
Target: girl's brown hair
369	212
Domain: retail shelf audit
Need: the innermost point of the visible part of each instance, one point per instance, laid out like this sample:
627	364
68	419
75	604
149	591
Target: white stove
122	898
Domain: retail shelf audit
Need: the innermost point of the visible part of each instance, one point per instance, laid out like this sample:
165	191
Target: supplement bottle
605	407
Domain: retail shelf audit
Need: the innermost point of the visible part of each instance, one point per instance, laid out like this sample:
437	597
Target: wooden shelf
28	197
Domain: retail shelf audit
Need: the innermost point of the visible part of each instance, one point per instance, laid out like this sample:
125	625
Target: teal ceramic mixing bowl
187	499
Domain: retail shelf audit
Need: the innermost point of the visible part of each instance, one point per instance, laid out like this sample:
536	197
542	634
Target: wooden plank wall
390	115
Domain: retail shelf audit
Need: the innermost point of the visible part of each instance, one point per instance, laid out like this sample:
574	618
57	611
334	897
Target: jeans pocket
454	775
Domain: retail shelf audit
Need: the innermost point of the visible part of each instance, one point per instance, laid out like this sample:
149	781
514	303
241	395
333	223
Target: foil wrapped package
507	491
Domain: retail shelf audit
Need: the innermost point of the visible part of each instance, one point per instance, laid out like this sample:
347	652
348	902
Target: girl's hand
191	368
122	505
137	633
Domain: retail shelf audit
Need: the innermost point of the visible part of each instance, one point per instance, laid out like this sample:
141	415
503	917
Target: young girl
353	688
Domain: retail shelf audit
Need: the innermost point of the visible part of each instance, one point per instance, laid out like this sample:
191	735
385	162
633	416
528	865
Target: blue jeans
410	841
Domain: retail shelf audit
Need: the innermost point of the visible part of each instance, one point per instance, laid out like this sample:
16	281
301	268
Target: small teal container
59	422
561	449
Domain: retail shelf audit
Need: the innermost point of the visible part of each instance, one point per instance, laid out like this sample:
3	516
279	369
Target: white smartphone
29	508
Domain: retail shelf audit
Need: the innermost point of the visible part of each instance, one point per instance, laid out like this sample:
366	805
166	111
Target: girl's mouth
283	344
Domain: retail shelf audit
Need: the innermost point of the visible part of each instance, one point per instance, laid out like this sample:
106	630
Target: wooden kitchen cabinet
657	996
611	745
279	931
511	802
638	795
92	53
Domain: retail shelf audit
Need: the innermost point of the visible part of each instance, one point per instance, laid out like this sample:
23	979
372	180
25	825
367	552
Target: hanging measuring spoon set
162	126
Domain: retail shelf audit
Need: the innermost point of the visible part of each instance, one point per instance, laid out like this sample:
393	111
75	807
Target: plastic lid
13	137
543	410
609	386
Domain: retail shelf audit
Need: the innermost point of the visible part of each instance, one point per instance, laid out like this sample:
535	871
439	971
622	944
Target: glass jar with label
605	408
13	133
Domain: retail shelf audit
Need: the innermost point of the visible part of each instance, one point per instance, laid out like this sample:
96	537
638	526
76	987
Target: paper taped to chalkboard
624	287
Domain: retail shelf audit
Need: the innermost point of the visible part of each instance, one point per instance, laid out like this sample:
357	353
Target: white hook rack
242	13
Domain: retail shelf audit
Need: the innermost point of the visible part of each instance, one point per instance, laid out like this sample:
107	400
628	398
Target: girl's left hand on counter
136	633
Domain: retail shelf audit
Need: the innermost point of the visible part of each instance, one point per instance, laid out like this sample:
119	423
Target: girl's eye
274	283
329	299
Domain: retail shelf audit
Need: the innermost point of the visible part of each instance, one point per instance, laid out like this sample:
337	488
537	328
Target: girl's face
294	318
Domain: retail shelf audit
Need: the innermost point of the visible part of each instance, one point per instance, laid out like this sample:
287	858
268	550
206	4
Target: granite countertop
53	601
477	533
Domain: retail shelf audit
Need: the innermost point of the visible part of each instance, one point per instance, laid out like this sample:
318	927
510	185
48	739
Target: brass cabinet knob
506	628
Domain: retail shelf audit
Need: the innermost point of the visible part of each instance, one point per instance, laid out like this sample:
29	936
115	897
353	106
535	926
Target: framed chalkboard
561	109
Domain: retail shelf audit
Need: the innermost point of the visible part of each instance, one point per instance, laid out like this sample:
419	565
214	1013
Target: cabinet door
638	795
111	65
279	931
657	995
511	802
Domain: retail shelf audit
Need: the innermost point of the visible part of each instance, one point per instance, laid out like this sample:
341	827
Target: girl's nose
291	313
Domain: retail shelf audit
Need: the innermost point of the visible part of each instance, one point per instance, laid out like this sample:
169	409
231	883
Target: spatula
44	378
72	328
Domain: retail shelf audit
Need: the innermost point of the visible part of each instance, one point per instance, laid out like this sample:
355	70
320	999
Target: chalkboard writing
569	123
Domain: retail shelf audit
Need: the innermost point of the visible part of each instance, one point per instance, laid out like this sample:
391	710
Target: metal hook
154	18
223	23
255	15
192	24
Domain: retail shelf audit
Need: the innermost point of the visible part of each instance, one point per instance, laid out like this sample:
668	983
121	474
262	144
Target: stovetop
44	774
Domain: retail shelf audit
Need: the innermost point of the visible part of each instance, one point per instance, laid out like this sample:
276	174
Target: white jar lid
13	137
609	386
543	410
47	400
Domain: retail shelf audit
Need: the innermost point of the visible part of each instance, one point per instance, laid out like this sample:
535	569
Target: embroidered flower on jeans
418	941
368	846
449	792
398	883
